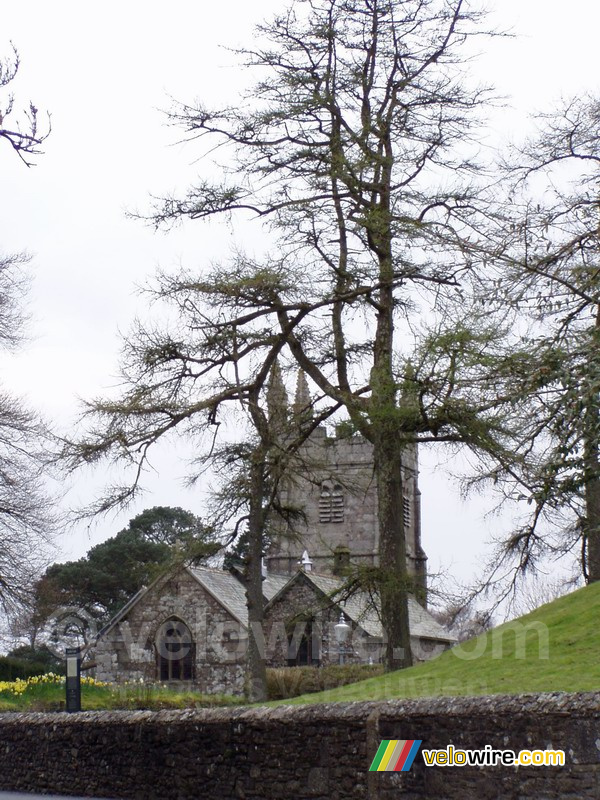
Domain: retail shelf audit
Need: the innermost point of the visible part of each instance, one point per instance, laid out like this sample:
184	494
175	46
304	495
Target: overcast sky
105	71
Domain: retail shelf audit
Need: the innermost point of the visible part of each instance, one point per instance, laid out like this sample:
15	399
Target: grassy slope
570	661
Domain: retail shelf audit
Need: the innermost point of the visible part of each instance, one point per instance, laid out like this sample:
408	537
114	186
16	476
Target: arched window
304	643
175	651
331	502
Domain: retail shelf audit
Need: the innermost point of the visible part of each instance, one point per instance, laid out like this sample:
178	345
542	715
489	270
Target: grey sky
104	71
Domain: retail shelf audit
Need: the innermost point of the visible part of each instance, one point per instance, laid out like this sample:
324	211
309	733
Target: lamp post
73	682
342	629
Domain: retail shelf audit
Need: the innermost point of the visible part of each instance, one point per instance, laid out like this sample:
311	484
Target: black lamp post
73	683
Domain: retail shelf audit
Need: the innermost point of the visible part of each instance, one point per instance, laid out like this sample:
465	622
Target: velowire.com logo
395	755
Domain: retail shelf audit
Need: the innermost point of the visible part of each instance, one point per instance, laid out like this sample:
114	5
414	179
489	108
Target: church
190	626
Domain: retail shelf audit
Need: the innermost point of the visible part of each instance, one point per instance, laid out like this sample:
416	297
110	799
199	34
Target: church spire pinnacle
409	396
302	399
277	399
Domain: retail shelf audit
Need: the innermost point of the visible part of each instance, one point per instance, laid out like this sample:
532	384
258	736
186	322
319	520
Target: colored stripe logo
395	755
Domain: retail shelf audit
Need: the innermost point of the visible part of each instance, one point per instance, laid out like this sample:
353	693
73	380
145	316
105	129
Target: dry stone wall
319	752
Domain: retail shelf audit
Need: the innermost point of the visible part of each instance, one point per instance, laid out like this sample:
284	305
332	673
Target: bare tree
26	516
357	118
539	590
249	503
25	136
26	511
464	621
189	377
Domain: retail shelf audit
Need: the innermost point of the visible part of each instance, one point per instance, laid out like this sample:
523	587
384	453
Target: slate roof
360	610
229	591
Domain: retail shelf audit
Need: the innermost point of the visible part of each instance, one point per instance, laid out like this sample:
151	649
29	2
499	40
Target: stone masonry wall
128	651
302	595
350	462
321	752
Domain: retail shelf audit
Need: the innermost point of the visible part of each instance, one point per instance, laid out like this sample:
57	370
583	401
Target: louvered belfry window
331	502
406	511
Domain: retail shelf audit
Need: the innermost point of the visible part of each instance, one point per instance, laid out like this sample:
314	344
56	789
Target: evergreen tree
549	277
352	151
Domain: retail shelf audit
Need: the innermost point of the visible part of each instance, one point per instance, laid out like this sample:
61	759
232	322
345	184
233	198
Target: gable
197	584
359	608
299	597
178	593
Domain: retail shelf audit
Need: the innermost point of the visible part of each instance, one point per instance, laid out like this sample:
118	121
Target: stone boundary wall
321	752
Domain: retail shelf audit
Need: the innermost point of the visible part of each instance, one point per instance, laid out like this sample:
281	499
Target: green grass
51	697
556	649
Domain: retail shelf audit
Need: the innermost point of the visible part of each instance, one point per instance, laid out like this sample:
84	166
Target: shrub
12	668
39	655
287	682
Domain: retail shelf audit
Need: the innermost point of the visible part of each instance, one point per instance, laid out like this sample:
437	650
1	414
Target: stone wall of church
128	651
316	622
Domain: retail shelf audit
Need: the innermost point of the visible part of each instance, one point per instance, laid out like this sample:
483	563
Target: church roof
229	591
360	610
226	589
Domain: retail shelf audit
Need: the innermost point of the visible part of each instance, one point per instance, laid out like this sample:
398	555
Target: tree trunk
592	525
592	464
256	668
388	445
394	579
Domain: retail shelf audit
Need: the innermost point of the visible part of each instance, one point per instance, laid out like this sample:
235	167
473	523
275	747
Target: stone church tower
334	486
